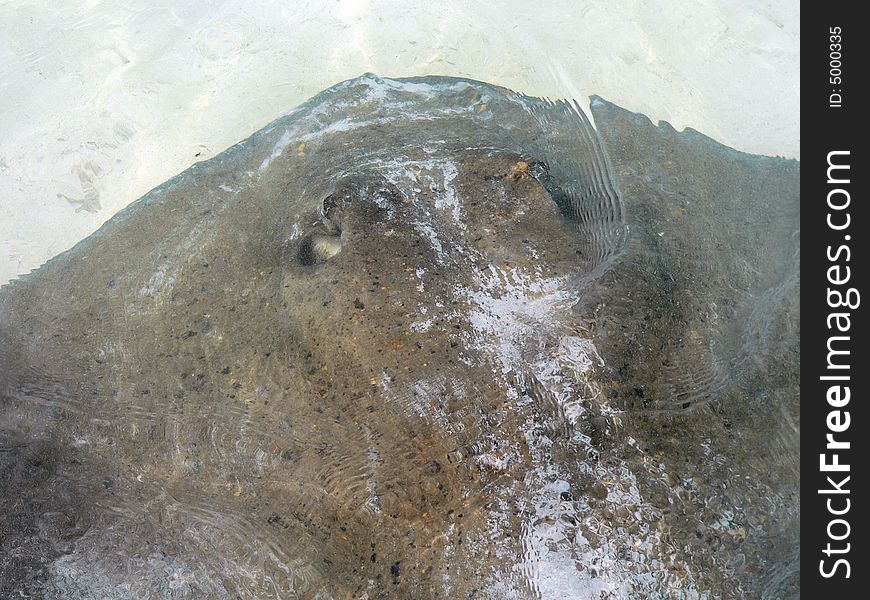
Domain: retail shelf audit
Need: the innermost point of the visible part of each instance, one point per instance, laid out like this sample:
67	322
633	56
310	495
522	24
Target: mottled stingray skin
421	338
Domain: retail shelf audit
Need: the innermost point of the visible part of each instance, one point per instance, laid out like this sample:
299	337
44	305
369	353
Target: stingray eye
359	206
318	248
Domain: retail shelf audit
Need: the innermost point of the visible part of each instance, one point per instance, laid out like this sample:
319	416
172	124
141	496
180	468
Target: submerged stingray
419	338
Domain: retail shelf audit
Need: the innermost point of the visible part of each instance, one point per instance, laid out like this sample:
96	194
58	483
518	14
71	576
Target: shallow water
102	101
419	338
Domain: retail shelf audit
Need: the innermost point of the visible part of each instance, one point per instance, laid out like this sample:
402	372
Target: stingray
418	338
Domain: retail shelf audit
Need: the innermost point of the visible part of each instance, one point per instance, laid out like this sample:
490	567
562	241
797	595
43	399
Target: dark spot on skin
358	304
277	519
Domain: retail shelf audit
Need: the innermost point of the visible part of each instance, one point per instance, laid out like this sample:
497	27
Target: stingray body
421	338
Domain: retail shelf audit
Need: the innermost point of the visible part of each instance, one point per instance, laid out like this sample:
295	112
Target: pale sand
100	101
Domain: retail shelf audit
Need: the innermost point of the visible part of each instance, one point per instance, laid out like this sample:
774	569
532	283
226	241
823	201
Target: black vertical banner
835	422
